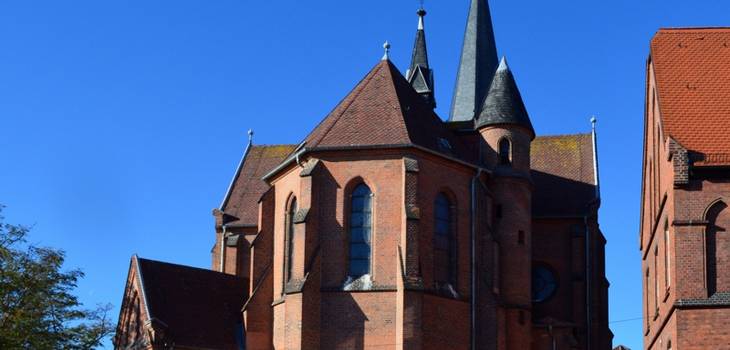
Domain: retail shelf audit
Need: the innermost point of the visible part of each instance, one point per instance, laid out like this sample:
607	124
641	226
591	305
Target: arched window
290	239
717	242
505	152
444	249
361	228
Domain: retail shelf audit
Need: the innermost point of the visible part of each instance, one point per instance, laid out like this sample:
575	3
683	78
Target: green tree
37	307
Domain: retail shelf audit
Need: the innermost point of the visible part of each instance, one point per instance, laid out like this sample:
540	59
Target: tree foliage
37	307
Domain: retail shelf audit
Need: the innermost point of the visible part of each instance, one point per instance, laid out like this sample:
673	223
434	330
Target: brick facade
388	228
685	250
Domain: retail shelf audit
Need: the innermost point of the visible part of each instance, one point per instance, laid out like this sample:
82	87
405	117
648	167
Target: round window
544	284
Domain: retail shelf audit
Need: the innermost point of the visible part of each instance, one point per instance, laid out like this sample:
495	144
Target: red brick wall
703	329
681	197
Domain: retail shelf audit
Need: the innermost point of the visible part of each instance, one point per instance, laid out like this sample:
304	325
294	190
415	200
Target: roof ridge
682	29
275	145
186	266
352	95
394	73
563	135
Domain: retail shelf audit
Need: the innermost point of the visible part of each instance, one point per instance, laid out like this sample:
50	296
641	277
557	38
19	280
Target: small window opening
505	152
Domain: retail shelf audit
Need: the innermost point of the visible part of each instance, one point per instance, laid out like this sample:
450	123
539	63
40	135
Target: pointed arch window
444	245
361	216
291	212
717	242
505	151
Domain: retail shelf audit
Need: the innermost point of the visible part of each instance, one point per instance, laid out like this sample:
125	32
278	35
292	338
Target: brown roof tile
201	308
384	110
247	187
562	169
692	67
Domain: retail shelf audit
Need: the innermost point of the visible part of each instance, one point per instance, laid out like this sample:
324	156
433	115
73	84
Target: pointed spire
477	65
420	75
386	47
503	104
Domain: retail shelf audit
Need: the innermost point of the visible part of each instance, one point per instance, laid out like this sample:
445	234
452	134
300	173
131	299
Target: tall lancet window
290	239
505	152
444	257
361	217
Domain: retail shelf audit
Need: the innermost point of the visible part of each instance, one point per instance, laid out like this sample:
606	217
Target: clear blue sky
121	122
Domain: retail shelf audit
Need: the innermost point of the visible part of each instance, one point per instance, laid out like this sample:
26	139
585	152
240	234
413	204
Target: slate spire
478	63
420	75
503	104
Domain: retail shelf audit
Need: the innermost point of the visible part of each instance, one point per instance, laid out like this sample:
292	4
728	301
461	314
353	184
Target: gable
247	187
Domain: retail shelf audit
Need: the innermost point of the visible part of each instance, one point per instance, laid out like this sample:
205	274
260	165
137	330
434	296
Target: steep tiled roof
384	110
200	308
692	68
562	169
247	187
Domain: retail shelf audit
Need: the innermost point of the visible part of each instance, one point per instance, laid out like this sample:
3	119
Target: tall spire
478	63
420	75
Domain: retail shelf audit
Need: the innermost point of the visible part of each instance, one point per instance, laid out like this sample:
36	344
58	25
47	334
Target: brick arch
717	243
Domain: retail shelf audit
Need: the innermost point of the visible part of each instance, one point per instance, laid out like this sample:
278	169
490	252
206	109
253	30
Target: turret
505	125
420	75
506	133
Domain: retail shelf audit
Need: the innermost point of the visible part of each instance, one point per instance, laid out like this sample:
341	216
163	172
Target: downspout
472	214
223	249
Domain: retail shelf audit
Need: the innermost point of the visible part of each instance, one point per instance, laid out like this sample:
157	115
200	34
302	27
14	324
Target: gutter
301	151
223	249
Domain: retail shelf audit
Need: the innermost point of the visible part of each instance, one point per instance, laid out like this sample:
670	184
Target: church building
388	227
684	238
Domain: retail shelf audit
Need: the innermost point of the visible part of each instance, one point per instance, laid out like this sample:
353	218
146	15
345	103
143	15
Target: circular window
544	284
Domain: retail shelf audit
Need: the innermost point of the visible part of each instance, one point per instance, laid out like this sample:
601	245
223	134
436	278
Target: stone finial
386	47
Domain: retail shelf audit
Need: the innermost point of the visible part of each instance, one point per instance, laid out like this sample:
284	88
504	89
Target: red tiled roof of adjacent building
200	308
384	110
692	68
247	188
562	169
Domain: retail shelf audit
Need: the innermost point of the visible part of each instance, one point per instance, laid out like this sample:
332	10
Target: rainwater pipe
473	209
223	249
